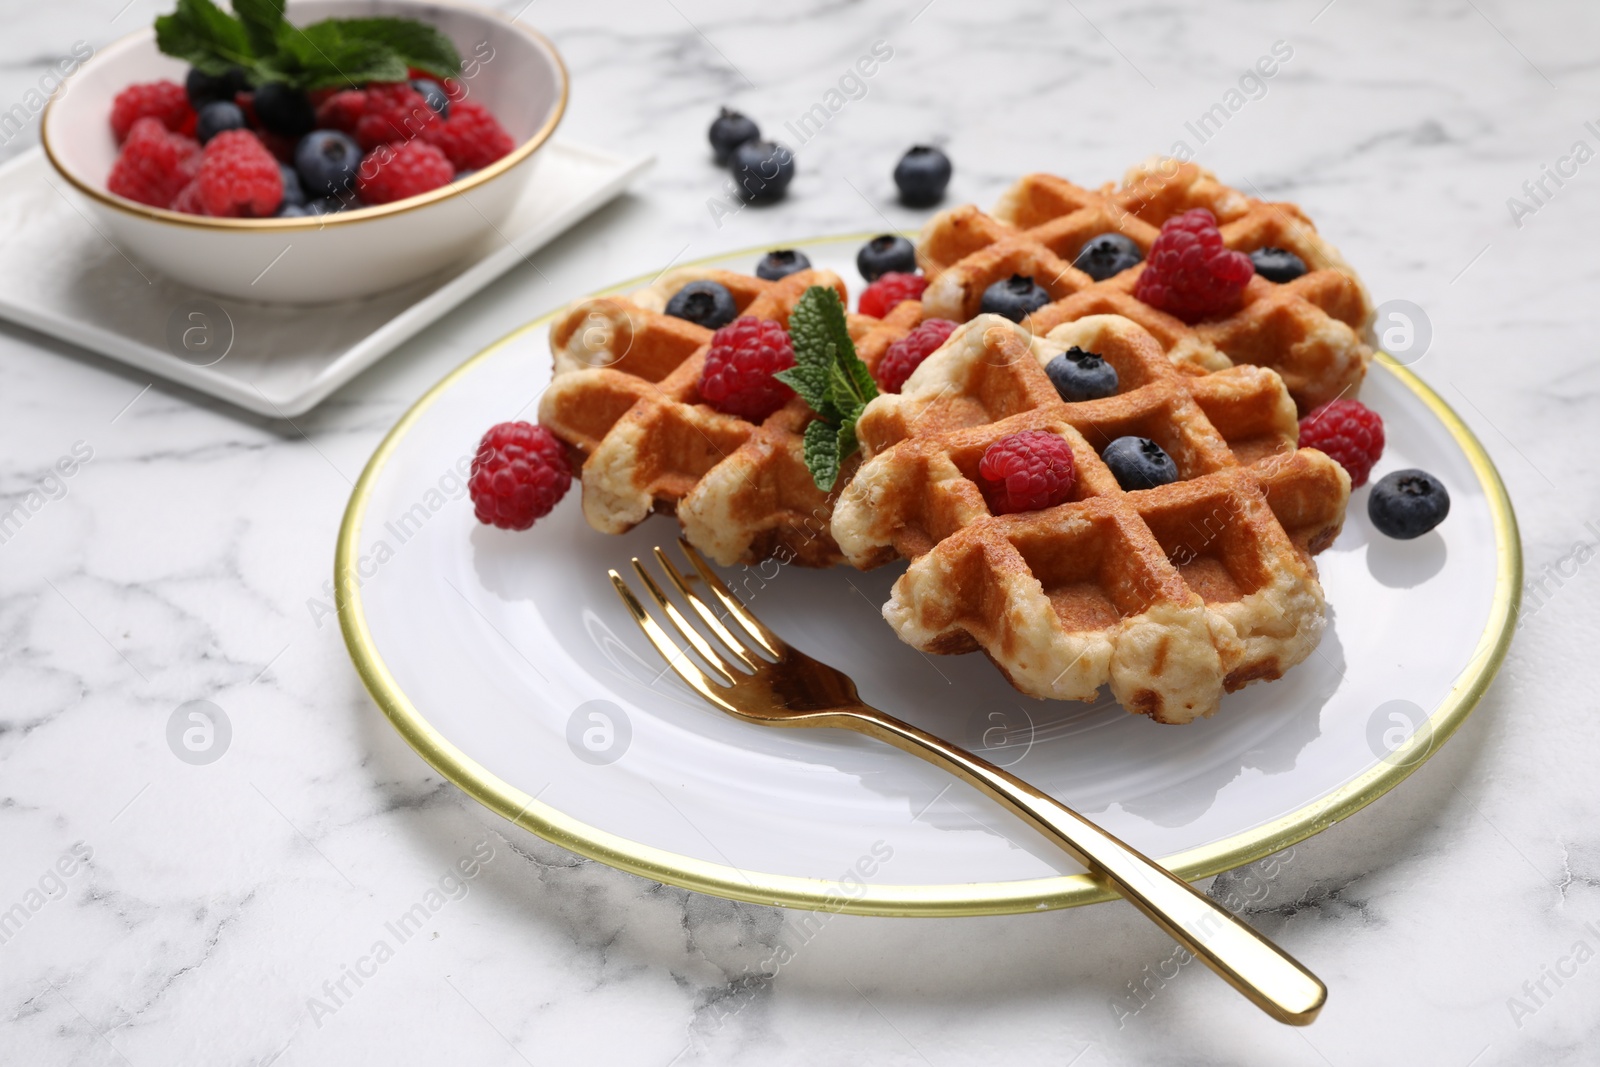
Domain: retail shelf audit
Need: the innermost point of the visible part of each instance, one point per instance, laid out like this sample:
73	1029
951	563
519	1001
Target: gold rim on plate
973	898
341	218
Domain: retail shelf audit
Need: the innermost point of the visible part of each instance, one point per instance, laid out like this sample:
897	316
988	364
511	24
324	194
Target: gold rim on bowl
365	214
974	898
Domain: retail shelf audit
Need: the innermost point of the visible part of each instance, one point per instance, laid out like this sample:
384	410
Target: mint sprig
332	52
830	378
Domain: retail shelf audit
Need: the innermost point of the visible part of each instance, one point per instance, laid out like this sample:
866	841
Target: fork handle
1253	965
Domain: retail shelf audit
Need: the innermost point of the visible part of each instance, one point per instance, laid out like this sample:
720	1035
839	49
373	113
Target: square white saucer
61	276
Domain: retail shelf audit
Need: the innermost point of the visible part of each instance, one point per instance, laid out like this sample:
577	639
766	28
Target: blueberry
1015	298
1408	503
1079	375
1277	265
287	210
328	205
217	116
206	88
728	131
707	304
1139	463
1108	254
763	170
780	263
460	174
327	161
434	95
884	253
281	109
922	174
293	193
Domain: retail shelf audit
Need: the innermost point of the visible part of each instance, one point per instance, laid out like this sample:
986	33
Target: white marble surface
177	564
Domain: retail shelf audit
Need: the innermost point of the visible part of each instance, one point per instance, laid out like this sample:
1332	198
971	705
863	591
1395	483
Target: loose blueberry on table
728	131
922	175
762	170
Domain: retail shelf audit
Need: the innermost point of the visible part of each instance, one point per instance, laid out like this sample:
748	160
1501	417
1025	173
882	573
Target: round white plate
508	662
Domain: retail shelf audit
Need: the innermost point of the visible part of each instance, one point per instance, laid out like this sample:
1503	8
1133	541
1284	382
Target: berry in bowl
349	148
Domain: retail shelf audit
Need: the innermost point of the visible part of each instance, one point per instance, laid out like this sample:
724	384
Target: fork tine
685	628
704	611
676	658
762	636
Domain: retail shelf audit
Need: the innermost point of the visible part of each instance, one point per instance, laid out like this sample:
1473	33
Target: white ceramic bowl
513	70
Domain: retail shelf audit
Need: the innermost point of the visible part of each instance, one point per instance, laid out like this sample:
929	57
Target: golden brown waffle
1309	330
625	399
1171	595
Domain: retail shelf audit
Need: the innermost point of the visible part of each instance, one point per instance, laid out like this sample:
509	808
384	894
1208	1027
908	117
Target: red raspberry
154	165
163	100
281	146
1189	273
907	354
1348	431
885	294
394	172
238	177
737	378
471	136
342	111
1027	471
188	200
245	101
394	113
518	475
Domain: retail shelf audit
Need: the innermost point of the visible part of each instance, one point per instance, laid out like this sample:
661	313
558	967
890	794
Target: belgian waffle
625	399
1309	330
1171	595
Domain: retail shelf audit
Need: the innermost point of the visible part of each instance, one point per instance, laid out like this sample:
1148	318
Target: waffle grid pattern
1310	330
1172	595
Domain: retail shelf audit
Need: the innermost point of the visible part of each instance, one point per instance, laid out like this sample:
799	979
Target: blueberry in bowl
365	247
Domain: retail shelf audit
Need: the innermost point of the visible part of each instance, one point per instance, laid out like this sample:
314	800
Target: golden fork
760	679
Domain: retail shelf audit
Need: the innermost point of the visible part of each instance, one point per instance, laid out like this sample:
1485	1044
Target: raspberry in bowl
302	193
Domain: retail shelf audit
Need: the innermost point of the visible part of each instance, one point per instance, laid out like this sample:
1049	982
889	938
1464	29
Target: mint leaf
204	36
832	380
260	20
814	356
416	43
822	453
323	54
332	52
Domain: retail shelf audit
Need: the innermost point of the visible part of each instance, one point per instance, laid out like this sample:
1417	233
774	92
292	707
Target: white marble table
210	910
